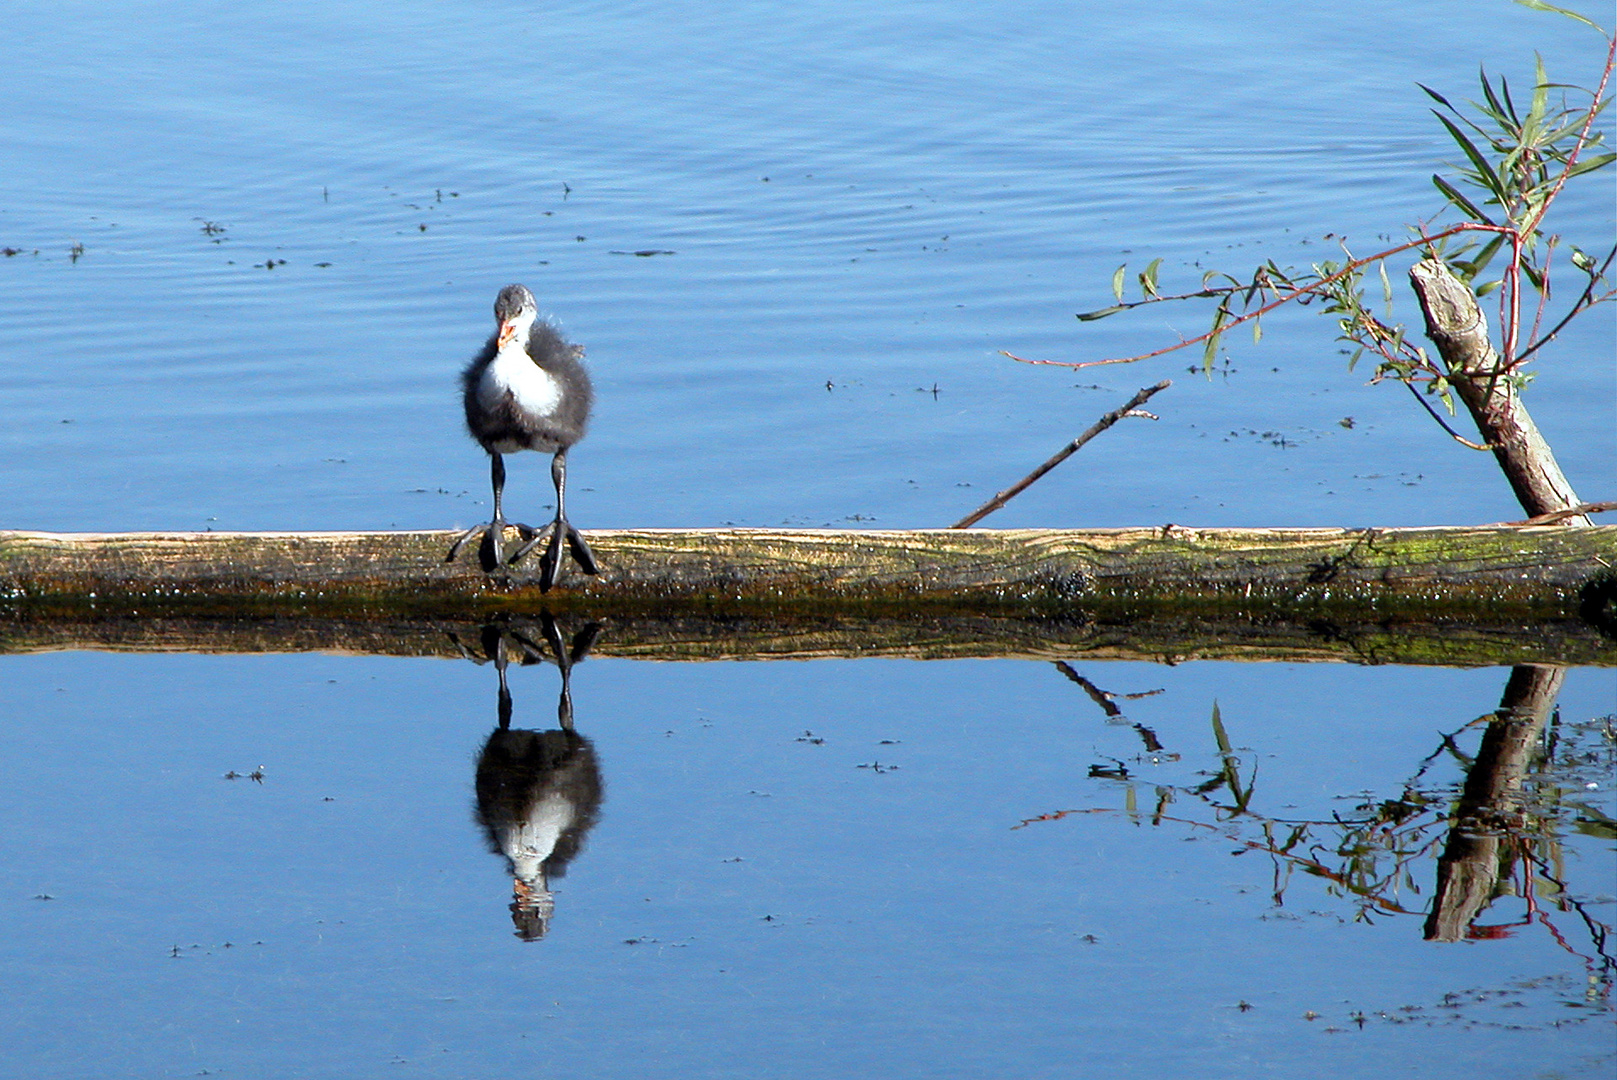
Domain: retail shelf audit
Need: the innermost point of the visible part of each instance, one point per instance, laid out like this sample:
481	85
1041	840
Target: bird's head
515	311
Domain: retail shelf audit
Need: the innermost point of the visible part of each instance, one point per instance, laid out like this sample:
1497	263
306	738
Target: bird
527	390
539	793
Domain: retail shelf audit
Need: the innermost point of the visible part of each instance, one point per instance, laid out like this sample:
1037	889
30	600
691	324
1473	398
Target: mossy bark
1443	595
1502	570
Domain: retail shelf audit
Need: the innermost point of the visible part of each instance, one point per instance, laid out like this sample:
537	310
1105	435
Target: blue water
858	206
878	197
754	902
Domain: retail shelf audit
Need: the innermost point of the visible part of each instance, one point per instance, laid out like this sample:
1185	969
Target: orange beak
508	330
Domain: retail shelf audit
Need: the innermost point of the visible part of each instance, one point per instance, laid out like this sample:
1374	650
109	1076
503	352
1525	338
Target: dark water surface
821	869
255	243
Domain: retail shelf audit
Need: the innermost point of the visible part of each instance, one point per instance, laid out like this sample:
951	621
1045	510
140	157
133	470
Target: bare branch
1067	451
1444	424
1570	512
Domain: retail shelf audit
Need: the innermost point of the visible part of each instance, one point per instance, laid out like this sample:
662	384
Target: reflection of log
784	636
1493	576
1471	866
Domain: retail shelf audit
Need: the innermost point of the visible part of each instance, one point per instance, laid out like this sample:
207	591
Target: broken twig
1067	451
1556	516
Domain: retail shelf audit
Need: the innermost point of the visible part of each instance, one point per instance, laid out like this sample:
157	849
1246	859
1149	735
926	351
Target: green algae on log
1508	572
1496	594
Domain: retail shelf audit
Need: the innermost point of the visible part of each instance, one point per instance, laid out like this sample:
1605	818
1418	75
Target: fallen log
1515	594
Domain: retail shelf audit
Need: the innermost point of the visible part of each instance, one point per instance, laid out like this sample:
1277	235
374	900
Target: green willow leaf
1210	349
1540	5
1571	128
1540	106
1091	316
1435	96
1504	89
1148	279
1489	250
1117	282
1495	109
1485	176
1599	161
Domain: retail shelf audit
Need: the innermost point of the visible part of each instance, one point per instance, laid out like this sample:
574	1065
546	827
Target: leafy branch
1516	163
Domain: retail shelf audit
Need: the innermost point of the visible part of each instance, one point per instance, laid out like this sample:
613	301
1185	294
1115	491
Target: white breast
532	841
534	389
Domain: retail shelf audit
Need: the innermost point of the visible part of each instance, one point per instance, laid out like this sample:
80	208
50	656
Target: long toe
582	555
454	549
532	538
495	534
550	562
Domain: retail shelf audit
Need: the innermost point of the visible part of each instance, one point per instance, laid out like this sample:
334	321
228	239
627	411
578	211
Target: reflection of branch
1107	700
1371	859
1057	815
1598	931
1231	773
1313	866
1096	694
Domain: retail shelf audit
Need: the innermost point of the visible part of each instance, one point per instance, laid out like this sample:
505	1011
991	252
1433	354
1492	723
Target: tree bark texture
1459	329
1442	595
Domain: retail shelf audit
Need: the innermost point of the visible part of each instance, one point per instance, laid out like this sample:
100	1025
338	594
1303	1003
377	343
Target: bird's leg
561	529
557	531
495	529
454	549
550	562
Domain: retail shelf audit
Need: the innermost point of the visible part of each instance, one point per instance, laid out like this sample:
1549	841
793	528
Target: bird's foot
582	555
550	561
538	537
454	549
491	552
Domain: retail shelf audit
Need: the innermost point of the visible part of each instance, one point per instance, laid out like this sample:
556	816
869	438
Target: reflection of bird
527	391
538	792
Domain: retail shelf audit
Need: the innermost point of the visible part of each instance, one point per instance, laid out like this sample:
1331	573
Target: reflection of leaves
1602	829
1231	773
1591	822
1380	857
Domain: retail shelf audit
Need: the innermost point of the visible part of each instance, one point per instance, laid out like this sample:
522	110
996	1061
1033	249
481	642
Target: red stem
1311	289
